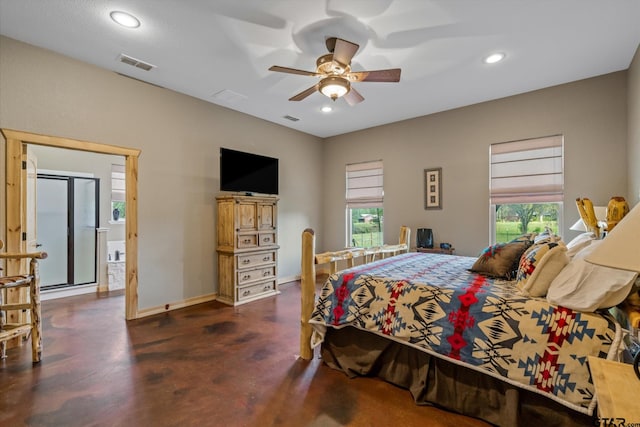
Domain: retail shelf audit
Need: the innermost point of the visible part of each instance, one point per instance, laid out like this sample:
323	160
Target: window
364	204
526	187
118	200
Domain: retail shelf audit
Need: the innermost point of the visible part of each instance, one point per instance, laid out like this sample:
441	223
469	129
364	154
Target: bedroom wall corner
633	133
590	113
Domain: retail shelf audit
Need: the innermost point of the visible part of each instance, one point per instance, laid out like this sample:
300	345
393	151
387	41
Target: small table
450	251
617	389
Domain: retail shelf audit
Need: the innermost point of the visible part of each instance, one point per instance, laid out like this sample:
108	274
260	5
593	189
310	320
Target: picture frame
433	188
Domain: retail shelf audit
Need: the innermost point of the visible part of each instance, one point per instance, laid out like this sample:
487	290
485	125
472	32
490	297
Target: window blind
364	185
527	171
117	183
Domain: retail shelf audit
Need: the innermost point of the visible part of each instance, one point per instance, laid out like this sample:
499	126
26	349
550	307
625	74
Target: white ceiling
201	48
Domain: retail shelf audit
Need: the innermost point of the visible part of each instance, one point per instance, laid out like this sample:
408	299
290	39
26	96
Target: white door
31	163
52	200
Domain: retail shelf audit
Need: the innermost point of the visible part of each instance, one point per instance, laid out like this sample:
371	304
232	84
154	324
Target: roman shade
527	171
117	183
364	185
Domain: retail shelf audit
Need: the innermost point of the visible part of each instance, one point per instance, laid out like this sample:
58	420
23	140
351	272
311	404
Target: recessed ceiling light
494	57
125	19
326	109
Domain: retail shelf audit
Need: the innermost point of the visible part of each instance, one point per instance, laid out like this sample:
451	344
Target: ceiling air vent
229	96
125	59
293	119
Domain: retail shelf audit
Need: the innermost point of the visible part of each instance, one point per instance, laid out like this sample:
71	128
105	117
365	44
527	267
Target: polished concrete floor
207	365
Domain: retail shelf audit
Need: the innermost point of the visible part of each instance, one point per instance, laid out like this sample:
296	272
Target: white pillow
583	286
579	242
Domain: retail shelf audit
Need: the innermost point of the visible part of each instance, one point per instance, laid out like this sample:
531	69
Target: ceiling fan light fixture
334	87
125	19
334	71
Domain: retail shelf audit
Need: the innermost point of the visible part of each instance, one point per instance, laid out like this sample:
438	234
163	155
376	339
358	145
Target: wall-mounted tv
247	172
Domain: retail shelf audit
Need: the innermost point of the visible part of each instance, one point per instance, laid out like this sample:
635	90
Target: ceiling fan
334	70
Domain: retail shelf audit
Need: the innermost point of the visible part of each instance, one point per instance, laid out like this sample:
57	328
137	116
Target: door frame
16	200
70	181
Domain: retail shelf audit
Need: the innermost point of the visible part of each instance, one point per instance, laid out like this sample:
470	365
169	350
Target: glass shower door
52	219
67	218
84	230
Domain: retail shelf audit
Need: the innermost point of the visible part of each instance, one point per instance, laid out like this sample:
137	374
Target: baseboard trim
196	300
176	305
68	291
283	280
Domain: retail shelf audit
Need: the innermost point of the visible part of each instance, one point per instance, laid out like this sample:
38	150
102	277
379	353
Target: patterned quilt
434	303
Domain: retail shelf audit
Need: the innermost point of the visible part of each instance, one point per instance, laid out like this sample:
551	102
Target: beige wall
591	114
633	146
180	137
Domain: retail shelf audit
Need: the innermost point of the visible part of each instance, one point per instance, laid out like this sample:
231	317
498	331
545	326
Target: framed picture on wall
433	188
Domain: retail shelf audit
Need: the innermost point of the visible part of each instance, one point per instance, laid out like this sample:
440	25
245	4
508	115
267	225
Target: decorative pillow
539	265
579	242
500	260
583	286
546	236
527	238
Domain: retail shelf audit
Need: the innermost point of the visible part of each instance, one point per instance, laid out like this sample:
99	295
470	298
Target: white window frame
118	189
364	188
526	171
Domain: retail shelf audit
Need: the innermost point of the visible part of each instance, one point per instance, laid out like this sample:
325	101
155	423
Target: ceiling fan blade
353	97
293	71
391	75
330	42
344	51
302	95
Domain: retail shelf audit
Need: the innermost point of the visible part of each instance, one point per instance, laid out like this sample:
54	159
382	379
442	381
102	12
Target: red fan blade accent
344	51
353	97
302	95
391	75
293	71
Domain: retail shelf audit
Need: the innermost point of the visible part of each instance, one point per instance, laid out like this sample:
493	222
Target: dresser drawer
254	260
246	276
266	239
246	292
247	240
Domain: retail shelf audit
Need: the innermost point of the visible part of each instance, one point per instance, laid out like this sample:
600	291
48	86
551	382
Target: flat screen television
247	172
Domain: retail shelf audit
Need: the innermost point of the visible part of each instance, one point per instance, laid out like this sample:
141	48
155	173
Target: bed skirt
434	381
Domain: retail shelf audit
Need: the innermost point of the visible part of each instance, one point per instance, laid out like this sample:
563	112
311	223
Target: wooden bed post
405	238
307	288
346	256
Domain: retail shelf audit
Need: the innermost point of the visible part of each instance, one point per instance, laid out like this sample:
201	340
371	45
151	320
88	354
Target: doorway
16	223
67	216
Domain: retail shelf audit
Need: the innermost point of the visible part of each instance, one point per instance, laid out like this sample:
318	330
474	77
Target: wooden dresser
247	248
